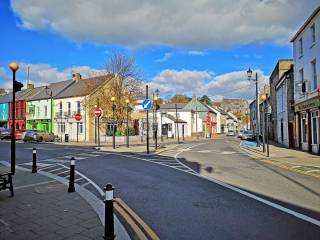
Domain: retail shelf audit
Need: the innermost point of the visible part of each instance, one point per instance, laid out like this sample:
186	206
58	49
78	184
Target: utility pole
177	122
98	119
257	112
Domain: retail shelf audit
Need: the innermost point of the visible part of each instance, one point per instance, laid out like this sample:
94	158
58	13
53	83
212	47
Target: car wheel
40	139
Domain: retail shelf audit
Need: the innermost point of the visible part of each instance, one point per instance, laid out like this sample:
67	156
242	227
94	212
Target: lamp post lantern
249	74
14	68
113	99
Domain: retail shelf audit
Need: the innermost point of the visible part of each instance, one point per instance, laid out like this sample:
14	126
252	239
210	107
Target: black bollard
71	178
108	215
34	160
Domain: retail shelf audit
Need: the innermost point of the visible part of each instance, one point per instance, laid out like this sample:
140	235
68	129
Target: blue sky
196	56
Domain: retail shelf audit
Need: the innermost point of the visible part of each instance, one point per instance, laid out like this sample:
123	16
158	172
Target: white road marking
227	152
202	151
56	169
294	167
259	199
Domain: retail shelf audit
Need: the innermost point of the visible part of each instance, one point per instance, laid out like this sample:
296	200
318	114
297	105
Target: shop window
315	126
304	127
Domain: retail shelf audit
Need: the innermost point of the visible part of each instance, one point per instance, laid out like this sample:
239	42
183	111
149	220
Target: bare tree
122	81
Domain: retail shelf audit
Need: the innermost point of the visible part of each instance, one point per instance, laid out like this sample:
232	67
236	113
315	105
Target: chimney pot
30	86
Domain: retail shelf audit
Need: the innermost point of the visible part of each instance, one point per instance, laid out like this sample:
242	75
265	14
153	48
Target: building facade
4	109
285	114
282	66
306	52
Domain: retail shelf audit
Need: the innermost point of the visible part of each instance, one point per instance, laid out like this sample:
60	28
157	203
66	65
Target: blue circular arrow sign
146	104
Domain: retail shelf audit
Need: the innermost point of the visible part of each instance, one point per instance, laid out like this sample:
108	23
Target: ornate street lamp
113	99
14	67
249	74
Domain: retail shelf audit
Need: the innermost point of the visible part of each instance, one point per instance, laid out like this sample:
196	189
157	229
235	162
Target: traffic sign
146	104
97	112
77	117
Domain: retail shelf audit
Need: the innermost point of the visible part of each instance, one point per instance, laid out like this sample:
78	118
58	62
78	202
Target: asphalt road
178	204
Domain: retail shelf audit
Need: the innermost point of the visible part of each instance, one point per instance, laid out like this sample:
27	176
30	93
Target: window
38	111
313	34
61	127
45	111
304	127
80	128
315	126
60	108
300	47
69	108
314	75
78	106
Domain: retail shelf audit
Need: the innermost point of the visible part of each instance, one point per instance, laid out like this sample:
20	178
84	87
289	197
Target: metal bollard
108	215
34	160
71	178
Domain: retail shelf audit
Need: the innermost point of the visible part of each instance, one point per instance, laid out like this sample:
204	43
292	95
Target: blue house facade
4	110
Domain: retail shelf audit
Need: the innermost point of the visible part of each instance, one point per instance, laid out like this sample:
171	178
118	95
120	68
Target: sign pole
77	132
147	122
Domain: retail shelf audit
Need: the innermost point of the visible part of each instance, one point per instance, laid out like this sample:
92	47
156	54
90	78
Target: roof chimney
76	76
30	86
2	91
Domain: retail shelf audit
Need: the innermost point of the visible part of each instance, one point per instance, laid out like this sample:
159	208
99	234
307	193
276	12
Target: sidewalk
42	208
291	159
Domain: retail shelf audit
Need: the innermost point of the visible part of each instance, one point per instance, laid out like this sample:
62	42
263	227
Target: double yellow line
137	225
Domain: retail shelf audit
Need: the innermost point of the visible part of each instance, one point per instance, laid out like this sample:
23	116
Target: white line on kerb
250	195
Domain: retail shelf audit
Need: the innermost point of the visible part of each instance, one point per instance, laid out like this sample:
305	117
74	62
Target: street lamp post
127	102
263	99
249	73
51	100
177	122
155	99
113	99
14	67
197	123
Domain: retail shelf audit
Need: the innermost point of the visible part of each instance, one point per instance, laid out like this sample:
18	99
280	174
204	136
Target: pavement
290	159
42	208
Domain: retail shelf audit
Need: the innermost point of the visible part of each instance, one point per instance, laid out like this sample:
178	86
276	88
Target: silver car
38	135
248	135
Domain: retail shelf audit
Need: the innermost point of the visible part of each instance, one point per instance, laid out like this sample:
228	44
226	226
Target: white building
306	52
70	101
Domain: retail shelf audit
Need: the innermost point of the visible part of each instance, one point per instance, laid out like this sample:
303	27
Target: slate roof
56	88
172	105
83	87
6	98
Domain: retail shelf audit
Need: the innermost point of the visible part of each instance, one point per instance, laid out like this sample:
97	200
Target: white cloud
165	57
196	53
193	24
229	85
44	74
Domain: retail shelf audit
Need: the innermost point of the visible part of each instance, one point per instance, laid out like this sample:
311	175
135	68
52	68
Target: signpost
98	113
147	104
78	118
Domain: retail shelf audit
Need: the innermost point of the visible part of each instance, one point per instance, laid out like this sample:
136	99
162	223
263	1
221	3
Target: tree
122	82
180	99
205	99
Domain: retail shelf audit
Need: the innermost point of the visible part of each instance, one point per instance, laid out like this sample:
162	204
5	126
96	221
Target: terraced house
4	109
76	98
40	107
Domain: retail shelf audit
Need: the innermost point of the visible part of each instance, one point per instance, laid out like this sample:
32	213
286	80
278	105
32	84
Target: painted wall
39	115
67	121
4	111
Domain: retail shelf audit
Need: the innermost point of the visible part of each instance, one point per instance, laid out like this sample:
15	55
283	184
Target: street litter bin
66	137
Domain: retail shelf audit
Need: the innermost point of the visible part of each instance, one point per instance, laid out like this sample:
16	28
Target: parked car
240	133
6	133
231	133
38	135
248	135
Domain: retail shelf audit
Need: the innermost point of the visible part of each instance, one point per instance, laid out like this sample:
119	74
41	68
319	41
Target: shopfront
308	119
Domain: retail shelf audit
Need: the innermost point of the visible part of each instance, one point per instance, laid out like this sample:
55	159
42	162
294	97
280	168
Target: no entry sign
77	117
97	112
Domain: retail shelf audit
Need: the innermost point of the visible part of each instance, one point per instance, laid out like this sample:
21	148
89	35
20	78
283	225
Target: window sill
301	56
312	44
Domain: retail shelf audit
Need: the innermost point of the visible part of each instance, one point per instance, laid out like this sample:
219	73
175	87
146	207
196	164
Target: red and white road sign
97	112
77	117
